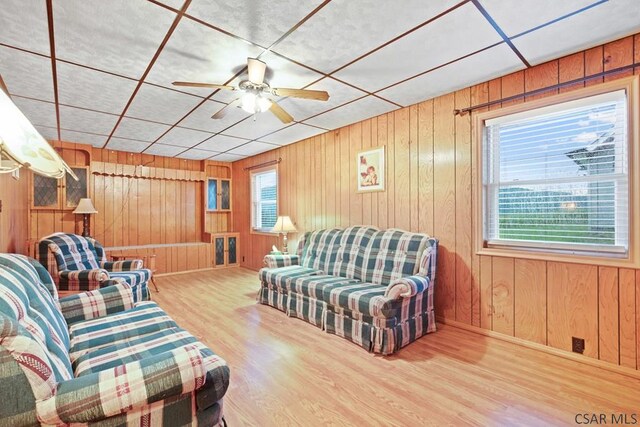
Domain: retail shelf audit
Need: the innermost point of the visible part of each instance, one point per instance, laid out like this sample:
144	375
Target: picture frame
371	170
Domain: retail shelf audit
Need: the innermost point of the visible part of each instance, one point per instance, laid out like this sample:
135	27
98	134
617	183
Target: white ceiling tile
141	130
260	22
454	35
351	113
478	68
127	145
83	87
86	121
196	154
48	133
291	134
339	93
514	17
38	112
161	105
256	126
24	24
176	4
120	36
183	137
197	53
83	138
222	143
343	30
603	23
164	150
26	74
253	148
201	118
227	157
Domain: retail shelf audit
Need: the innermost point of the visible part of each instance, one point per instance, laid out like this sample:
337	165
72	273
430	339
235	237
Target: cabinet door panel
212	194
76	190
225	194
45	192
218	251
233	255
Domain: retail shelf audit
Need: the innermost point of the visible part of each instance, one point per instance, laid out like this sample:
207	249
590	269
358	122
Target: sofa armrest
83	279
97	303
124	265
281	260
407	287
126	387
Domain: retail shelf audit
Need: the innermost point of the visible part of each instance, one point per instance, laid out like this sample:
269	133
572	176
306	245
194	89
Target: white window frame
252	189
562	252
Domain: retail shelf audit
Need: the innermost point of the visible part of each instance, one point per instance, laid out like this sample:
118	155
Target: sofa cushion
314	286
279	278
320	248
349	260
365	298
71	251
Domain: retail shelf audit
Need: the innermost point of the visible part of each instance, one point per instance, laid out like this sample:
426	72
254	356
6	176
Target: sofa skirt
380	336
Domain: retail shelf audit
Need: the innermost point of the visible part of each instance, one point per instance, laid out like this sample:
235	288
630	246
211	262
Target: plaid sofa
372	287
98	358
79	263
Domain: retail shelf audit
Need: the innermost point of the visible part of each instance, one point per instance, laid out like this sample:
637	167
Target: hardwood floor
287	372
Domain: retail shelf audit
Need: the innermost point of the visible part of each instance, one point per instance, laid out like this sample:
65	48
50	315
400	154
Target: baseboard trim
175	273
623	370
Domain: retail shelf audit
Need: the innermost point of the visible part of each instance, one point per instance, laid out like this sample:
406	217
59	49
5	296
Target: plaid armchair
98	357
79	263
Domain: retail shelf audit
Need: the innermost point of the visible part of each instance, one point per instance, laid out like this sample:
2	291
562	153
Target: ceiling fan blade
224	110
4	87
208	85
257	69
319	95
280	113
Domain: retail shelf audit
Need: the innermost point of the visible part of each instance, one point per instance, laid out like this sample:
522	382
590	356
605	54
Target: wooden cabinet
226	249
218	195
59	194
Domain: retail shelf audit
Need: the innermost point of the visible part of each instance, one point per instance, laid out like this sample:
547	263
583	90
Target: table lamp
284	225
85	208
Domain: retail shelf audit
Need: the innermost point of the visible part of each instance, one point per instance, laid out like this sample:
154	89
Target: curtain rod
269	163
463	111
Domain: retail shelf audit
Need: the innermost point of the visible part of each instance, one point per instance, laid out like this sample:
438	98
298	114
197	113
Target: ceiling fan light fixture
252	103
263	104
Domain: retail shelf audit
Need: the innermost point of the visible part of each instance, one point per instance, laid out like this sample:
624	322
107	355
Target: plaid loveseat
372	287
79	263
98	358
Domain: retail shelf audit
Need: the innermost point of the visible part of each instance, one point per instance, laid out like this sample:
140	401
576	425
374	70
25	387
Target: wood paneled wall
430	184
13	215
164	212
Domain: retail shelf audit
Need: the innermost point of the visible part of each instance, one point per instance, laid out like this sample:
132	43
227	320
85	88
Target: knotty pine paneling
14	198
431	182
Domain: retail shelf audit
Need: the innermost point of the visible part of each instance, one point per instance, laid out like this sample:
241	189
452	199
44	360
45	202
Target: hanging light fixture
254	103
22	145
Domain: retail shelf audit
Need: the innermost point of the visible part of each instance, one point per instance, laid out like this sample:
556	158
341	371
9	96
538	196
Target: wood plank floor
287	372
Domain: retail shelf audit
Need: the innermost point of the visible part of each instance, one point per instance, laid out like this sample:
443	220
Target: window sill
263	232
612	261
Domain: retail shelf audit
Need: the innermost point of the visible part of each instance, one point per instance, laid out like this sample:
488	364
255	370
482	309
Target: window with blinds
557	177
264	195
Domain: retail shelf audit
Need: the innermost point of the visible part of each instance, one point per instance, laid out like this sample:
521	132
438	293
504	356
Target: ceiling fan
254	93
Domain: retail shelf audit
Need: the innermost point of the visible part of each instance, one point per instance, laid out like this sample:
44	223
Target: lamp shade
283	225
85	206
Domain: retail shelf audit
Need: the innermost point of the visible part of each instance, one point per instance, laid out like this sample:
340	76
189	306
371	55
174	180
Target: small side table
148	262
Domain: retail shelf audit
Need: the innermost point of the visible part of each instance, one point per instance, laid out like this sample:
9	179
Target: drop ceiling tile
48	133
176	4
120	36
356	111
24	24
164	150
603	23
343	30
141	130
127	145
222	143
227	157
456	34
196	154
183	137
86	121
291	134
161	105
83	87
260	22
26	74
201	118
200	54
253	148
481	67
339	94
83	138
256	126
38	112
514	17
